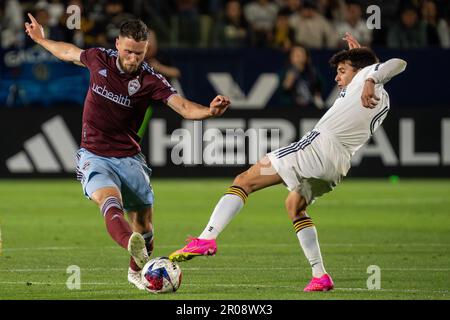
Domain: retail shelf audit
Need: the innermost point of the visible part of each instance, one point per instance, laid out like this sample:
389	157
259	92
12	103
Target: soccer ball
160	275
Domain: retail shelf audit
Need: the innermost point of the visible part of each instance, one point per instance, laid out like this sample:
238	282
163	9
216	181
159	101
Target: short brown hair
359	58
135	29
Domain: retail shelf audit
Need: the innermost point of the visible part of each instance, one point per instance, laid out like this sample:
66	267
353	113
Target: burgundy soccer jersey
116	102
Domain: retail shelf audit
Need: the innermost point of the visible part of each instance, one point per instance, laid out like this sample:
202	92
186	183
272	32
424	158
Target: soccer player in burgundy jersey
111	168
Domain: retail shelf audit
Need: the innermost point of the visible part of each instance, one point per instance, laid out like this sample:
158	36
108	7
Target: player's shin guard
118	228
227	207
307	235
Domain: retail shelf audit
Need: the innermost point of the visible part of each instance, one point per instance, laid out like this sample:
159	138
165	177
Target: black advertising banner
42	142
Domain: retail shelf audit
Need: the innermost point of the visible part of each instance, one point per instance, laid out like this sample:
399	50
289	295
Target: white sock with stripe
307	236
227	207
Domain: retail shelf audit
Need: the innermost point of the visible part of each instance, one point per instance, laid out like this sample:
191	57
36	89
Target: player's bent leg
295	205
102	187
141	220
110	203
259	176
307	236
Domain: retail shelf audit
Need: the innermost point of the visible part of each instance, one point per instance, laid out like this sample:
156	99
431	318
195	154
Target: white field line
338	289
230	285
47	248
421	244
383	201
293	268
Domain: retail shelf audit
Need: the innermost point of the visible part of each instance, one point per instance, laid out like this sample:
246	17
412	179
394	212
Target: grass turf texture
404	228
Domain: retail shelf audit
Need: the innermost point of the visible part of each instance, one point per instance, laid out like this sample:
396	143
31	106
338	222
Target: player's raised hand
368	97
351	41
34	29
219	105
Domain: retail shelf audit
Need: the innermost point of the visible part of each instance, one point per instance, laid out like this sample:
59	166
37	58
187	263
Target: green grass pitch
403	228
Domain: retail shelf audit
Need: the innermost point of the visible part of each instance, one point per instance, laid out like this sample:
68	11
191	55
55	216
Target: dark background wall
31	77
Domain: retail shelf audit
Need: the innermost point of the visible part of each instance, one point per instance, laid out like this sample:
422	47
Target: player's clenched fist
368	97
34	29
219	105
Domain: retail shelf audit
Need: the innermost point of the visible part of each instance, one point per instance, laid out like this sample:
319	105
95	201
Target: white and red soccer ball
160	275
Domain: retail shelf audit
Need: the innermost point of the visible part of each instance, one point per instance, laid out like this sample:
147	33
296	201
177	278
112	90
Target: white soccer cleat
134	277
136	247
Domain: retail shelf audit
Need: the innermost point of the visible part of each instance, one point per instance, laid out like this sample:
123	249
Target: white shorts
312	166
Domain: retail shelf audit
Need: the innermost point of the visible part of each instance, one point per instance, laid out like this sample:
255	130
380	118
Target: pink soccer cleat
195	247
324	283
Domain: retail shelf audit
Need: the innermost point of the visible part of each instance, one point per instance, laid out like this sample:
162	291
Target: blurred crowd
237	23
292	26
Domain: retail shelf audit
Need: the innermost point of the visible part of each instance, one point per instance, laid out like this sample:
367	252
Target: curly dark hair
358	57
135	29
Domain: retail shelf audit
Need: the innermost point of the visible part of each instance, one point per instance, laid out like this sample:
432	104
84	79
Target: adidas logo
103	72
50	152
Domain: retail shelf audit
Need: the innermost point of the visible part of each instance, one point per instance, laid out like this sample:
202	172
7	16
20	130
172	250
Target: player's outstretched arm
62	50
194	111
386	72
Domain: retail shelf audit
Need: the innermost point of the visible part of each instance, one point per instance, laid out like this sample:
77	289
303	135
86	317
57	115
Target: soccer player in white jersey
317	162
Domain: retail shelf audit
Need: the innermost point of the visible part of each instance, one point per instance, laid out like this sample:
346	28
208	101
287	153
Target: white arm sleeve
388	70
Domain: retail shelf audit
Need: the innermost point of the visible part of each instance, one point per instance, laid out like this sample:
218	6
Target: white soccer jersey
316	163
347	120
